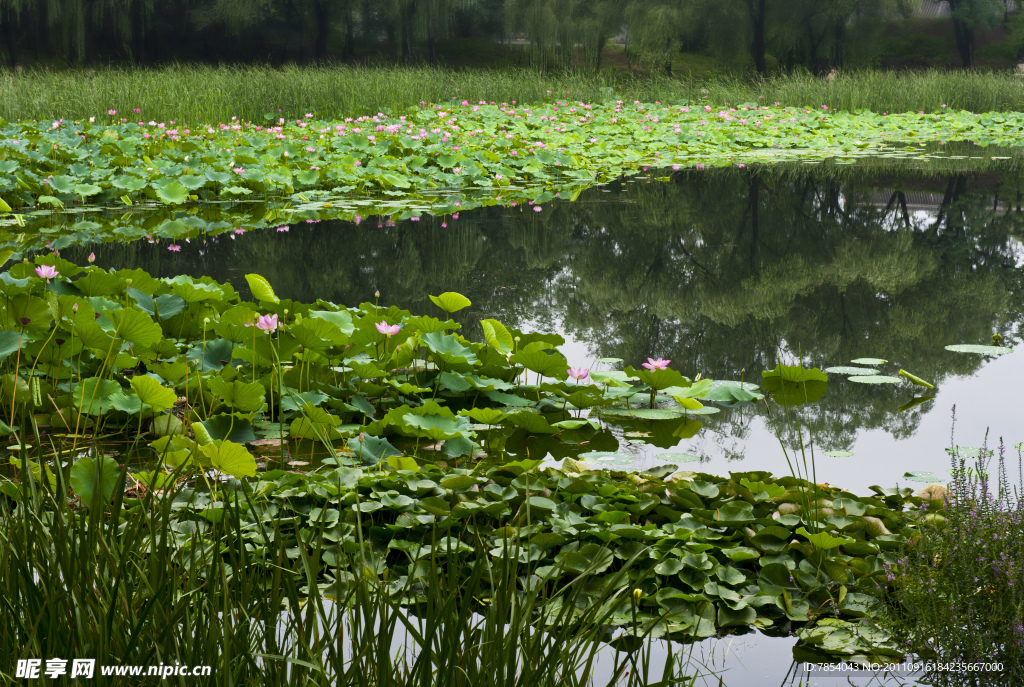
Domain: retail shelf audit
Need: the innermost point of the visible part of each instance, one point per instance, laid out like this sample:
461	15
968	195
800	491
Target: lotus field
366	457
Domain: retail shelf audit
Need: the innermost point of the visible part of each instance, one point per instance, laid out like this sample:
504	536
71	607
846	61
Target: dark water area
726	273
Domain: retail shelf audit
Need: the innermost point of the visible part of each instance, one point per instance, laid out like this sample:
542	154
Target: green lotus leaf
173	193
94	477
246	397
497	336
532	422
794	385
485	416
372	450
980	349
539	357
659	379
450	301
234	427
261	289
838	454
230	458
448	349
96	396
874	379
133	324
823	540
842	370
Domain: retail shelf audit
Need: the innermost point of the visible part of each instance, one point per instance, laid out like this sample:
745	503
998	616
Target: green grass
212	94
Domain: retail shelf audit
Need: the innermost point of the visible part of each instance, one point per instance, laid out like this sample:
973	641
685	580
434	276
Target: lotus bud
636	595
92	258
74	308
206	320
376	294
128	282
286	311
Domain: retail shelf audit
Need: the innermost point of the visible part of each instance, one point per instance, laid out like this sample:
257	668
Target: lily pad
845	370
926	477
678	457
978	348
604	458
869	361
875	379
838	454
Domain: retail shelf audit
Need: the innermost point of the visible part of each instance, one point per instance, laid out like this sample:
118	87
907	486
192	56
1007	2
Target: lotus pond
455	345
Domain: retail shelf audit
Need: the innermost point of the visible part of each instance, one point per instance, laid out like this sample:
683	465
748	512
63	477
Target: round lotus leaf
875	379
976	348
678	457
644	413
606	457
838	454
869	361
926	477
844	370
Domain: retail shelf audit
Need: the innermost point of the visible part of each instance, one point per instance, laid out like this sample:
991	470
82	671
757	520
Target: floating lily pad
644	413
869	361
678	457
845	370
978	348
922	477
705	410
838	454
875	379
606	458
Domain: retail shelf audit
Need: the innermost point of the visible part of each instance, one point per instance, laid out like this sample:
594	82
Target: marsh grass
186	93
959	591
127	583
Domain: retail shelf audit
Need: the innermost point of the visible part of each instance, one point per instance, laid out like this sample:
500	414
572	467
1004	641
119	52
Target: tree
969	15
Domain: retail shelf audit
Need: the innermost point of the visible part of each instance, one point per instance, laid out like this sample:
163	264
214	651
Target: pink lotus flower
388	330
46	272
659	364
174	248
267	323
579	373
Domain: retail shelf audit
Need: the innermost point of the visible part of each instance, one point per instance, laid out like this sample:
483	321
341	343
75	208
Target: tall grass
215	94
132	583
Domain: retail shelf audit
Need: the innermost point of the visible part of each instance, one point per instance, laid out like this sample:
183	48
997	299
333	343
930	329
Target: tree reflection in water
725	272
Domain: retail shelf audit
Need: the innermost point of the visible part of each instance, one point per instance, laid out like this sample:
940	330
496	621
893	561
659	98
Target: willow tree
566	29
657	27
969	15
286	22
823	34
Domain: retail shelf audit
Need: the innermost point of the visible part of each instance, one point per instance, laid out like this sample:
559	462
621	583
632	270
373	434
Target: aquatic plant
522	151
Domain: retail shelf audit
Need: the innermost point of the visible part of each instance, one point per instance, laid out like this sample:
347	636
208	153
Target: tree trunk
964	42
758	46
348	50
138	32
323	26
7	25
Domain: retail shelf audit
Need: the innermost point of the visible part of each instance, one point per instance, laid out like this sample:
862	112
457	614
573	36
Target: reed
187	93
127	583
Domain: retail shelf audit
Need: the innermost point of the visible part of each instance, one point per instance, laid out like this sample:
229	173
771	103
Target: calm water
726	273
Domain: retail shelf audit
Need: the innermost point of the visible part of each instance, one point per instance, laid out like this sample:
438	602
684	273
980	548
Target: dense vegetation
520	153
817	34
